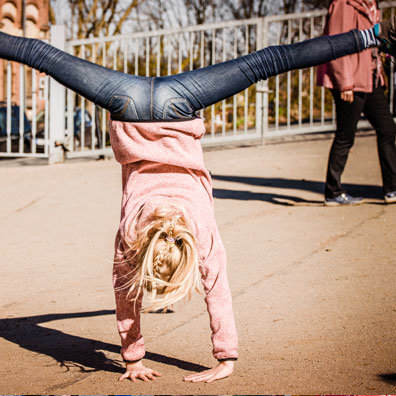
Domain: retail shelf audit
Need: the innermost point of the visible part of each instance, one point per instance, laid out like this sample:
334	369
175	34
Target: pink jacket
162	163
352	71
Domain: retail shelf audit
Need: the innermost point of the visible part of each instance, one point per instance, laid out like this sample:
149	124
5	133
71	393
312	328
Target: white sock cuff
369	38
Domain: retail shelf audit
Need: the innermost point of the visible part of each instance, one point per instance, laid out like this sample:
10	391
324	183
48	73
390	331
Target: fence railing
24	116
173	51
290	103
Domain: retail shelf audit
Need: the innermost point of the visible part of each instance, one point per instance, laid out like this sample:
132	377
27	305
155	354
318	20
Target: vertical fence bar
235	97
265	83
212	108
168	41
322	89
277	88
147	57
311	71
34	110
104	114
82	112
223	102
93	108
246	109
259	87
158	55
300	78
136	59
179	59
47	148
125	50
191	47
21	107
288	78
70	119
202	61
9	104
115	47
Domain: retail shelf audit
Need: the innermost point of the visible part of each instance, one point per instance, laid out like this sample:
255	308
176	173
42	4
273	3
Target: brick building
36	26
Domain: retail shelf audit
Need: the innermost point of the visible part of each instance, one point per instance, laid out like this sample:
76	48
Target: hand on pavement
222	370
137	370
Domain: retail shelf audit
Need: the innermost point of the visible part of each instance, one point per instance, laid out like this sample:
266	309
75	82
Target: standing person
357	84
168	242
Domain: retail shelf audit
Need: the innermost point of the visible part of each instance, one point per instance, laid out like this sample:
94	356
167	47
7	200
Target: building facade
29	18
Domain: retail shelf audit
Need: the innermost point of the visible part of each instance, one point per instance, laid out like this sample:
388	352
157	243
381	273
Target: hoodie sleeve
127	310
342	18
219	302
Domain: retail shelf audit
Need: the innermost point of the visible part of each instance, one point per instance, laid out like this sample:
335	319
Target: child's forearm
127	308
128	324
219	303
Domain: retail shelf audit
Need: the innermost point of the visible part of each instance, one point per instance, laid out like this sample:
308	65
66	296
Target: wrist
227	363
133	363
234	359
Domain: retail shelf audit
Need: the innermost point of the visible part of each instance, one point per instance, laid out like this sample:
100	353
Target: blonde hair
166	258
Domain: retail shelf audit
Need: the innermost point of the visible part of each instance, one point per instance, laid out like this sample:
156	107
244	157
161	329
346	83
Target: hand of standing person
347	96
137	370
222	370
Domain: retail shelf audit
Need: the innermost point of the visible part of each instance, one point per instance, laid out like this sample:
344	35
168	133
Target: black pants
375	107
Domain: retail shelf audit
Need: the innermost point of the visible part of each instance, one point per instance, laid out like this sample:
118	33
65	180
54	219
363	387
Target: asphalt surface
313	287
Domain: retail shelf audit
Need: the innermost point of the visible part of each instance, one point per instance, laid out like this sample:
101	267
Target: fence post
259	85
57	93
265	88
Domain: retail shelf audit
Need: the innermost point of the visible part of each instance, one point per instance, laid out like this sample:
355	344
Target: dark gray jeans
180	96
376	108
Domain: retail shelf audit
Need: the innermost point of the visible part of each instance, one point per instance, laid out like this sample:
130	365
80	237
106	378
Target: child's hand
223	369
138	370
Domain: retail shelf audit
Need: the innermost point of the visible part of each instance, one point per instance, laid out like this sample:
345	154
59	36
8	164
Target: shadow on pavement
362	190
388	378
72	351
277	199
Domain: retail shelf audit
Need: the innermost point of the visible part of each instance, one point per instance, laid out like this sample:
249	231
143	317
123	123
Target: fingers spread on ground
123	376
156	373
214	378
192	376
202	378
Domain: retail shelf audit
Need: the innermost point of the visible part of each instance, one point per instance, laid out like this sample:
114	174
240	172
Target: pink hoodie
162	163
352	72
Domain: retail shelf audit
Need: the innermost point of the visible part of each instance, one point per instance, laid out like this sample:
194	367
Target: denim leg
206	86
134	98
105	87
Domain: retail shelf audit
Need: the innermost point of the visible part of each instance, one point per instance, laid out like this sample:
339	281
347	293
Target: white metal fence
24	124
286	104
166	52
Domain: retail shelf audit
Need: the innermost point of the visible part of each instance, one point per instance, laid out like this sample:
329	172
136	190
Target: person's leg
105	87
376	109
206	86
347	115
133	98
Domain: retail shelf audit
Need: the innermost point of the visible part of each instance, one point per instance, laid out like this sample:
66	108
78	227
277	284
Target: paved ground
314	287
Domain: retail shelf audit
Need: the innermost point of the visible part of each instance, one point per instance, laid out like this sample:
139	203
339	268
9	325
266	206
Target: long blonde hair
166	258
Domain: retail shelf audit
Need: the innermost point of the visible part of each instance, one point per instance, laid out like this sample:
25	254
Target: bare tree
245	9
90	18
315	4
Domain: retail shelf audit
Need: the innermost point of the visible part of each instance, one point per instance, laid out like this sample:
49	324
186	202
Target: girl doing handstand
167	243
